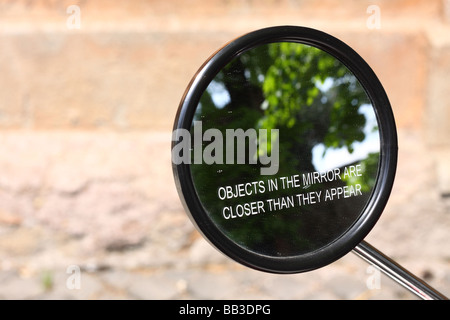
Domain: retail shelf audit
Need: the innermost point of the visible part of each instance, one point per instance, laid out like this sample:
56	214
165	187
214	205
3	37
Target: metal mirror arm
397	272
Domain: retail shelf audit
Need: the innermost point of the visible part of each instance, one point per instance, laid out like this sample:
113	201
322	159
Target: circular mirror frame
387	163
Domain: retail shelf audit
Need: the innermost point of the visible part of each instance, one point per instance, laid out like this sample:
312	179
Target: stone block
438	102
127	65
95	81
400	60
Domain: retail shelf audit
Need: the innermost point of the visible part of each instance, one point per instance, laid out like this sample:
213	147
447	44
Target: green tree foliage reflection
314	99
311	98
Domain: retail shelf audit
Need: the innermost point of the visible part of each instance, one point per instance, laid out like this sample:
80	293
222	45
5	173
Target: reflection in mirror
326	141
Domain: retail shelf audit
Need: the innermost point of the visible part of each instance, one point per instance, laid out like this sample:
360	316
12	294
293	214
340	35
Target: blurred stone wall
124	65
88	93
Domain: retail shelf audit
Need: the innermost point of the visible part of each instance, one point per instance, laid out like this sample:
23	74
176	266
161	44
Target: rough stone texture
106	203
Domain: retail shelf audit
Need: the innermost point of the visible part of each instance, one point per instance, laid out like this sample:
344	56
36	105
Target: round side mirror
284	149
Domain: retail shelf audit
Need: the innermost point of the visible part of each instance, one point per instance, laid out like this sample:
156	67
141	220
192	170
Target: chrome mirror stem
397	272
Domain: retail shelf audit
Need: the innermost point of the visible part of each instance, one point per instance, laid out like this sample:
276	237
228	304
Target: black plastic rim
388	153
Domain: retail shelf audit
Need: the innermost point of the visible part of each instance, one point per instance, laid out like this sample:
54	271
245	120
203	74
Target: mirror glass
285	150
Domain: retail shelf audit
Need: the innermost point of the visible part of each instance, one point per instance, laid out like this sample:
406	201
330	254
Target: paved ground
96	216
